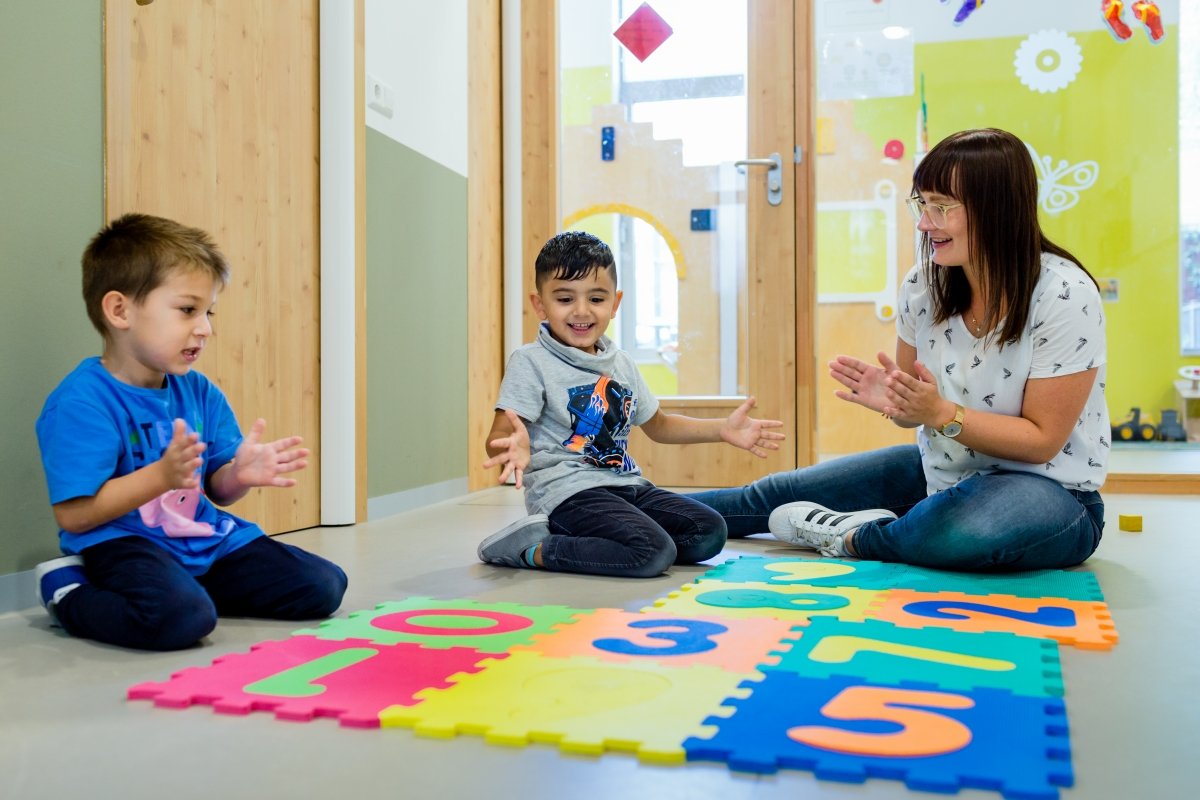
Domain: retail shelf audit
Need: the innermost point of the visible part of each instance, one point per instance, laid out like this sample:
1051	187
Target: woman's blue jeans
631	532
1001	521
139	596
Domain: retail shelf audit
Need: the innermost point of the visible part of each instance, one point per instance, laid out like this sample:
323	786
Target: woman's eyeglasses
935	211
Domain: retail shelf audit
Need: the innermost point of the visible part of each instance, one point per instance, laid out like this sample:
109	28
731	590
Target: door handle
774	175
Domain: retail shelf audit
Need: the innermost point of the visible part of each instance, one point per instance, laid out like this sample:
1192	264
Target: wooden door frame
343	242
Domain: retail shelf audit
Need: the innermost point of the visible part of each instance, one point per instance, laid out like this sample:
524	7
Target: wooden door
736	329
211	119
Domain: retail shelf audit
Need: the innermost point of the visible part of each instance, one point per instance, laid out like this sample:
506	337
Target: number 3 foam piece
744	600
880	652
939	741
807	571
1086	625
304	677
582	704
489	627
670	640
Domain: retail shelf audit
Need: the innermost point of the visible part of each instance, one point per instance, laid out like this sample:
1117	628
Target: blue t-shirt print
600	415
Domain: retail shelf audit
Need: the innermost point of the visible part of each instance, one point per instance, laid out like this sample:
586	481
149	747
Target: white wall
419	50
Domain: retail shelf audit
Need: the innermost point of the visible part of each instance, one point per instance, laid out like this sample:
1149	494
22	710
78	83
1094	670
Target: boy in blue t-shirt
137	448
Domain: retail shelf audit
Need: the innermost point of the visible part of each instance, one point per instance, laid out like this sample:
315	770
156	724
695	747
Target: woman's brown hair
991	173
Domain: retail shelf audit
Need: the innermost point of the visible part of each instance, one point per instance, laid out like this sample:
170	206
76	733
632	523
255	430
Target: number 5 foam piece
1085	625
488	627
670	640
880	652
745	600
807	571
581	704
938	741
305	677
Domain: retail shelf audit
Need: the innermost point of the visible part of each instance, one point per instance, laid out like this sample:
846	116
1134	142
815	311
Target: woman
1000	359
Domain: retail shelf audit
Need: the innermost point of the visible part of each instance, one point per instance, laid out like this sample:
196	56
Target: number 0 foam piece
582	704
667	639
880	652
847	730
745	600
1085	625
305	677
489	627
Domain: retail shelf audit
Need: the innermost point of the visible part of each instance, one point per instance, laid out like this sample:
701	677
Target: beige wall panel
212	120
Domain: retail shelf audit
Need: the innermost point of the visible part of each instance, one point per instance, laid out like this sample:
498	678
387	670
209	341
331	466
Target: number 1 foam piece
880	652
626	637
489	627
304	677
582	704
1085	625
849	730
795	603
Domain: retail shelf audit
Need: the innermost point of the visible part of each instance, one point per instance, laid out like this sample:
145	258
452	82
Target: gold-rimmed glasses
935	211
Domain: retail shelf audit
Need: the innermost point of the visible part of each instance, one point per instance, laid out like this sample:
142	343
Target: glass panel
1111	127
653	115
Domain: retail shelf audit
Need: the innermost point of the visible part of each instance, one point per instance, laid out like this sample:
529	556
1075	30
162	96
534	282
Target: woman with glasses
999	365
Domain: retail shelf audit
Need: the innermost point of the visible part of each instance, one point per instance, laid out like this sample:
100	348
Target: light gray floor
66	730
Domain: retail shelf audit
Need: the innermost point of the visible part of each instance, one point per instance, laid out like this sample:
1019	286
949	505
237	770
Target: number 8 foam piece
849	730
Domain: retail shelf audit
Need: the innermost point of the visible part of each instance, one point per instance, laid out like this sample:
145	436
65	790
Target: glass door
675	135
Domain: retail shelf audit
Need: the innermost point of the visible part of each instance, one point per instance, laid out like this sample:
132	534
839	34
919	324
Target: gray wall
416	319
51	170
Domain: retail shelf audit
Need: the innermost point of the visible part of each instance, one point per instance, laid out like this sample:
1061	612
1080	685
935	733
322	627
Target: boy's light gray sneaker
812	525
507	547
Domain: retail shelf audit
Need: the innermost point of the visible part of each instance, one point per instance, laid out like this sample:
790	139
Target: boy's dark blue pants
139	596
634	531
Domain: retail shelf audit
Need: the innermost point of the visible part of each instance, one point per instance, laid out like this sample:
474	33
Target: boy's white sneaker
55	578
812	525
507	547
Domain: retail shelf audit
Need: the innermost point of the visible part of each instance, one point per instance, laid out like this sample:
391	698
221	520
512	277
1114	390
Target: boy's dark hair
134	254
572	255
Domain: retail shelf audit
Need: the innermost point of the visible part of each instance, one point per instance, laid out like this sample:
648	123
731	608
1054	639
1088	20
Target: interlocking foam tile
745	600
305	677
847	730
1085	625
583	704
667	639
1082	586
488	627
808	571
880	652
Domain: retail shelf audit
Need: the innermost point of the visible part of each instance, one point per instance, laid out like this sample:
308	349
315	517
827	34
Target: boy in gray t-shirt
567	404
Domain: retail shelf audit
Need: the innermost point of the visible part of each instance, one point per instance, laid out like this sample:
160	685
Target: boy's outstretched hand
181	460
259	463
514	450
741	430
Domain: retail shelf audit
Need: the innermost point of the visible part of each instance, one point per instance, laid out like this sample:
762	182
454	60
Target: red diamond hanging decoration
643	32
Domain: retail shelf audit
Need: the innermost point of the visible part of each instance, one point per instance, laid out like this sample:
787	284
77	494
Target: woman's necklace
975	323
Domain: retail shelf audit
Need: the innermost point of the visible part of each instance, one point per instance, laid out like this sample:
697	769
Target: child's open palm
514	448
258	463
181	460
742	430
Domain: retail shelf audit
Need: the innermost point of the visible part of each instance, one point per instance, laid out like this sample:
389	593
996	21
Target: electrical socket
380	96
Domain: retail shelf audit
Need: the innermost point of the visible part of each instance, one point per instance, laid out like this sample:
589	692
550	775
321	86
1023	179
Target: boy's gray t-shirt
579	409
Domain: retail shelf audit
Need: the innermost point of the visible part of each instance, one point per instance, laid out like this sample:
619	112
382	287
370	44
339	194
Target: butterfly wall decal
1059	185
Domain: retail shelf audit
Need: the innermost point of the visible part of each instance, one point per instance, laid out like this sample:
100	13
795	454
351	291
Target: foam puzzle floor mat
848	669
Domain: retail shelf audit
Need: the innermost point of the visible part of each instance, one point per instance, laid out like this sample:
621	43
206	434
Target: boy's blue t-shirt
94	428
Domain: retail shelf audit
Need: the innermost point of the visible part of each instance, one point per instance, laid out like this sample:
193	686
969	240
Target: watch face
951	429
